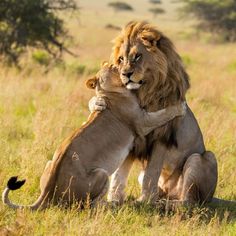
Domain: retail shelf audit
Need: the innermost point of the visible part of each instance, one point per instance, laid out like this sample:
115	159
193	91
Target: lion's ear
150	38
92	83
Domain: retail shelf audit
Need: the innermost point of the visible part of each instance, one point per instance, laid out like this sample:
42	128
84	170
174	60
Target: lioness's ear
150	38
92	83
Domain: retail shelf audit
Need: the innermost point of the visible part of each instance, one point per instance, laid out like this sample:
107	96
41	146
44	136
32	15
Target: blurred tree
156	11
155	1
216	16
32	23
120	6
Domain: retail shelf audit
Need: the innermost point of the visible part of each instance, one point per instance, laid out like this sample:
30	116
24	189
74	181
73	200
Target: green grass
38	110
232	66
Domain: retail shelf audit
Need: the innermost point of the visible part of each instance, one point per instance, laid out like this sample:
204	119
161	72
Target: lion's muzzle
130	84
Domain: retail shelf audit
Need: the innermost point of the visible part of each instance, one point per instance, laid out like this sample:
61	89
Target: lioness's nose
128	74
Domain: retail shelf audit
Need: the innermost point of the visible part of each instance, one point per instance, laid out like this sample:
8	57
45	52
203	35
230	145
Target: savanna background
42	102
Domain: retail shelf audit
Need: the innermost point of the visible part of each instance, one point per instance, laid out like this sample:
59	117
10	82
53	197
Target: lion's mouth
131	81
133	85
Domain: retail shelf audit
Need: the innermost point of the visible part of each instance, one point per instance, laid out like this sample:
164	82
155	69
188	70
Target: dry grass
38	110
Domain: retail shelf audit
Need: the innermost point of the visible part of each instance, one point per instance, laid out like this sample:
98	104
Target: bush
156	11
155	1
41	57
120	6
216	16
32	23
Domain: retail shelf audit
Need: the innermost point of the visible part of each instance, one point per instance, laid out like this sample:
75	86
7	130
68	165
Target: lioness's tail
12	185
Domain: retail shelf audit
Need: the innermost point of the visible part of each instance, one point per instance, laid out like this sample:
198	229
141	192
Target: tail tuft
13	184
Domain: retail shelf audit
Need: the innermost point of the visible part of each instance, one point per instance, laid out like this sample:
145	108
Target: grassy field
38	110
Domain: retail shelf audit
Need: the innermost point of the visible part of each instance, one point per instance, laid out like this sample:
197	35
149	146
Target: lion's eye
137	57
121	59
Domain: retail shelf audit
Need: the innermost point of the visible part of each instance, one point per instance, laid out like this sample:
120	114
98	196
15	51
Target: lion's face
132	65
136	54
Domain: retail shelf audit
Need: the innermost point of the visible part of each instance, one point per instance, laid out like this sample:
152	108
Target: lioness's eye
121	59
137	57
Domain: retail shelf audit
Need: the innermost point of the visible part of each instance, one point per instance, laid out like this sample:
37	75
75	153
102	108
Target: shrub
216	16
156	11
120	6
155	1
41	57
32	23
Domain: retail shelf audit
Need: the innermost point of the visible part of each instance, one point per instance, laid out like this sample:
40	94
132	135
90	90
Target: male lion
178	165
83	162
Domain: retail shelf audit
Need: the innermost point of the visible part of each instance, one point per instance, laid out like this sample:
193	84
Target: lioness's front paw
97	104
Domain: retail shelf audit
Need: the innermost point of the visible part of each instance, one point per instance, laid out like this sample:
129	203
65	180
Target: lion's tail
12	185
216	202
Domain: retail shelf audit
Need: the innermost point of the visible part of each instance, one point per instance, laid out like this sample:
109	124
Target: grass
38	110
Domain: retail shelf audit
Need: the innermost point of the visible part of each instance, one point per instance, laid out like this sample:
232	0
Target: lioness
82	164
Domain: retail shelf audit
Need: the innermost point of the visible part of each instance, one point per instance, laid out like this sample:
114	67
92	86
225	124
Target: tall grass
38	110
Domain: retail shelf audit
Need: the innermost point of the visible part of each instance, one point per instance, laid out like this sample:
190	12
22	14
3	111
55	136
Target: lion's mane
166	83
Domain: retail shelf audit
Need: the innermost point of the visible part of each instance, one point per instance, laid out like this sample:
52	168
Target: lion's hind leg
199	178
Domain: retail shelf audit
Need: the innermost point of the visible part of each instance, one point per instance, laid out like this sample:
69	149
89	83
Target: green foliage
76	68
232	66
216	16
186	59
120	6
32	23
41	57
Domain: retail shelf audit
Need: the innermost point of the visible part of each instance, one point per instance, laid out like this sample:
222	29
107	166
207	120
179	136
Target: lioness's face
107	78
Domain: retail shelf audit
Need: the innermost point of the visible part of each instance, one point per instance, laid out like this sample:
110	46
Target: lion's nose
128	75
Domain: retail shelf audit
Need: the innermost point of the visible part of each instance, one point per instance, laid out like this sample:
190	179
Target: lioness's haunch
81	165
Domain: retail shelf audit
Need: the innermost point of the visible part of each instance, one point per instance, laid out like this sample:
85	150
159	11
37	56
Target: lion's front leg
118	181
152	173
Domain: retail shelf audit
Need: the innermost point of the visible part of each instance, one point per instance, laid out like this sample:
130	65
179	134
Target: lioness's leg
151	120
199	178
118	181
98	184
